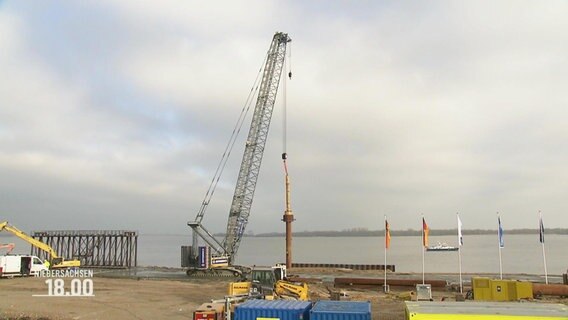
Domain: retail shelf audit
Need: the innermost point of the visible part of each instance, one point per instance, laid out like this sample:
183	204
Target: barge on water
441	247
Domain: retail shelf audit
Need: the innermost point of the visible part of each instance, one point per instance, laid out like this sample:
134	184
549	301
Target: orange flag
387	235
425	231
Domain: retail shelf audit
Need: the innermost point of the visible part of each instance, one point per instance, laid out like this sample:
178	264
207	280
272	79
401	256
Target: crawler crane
221	259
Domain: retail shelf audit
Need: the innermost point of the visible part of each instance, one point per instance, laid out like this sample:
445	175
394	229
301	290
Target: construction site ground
158	293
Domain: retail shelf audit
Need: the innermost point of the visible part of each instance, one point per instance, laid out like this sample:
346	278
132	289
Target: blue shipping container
280	309
341	310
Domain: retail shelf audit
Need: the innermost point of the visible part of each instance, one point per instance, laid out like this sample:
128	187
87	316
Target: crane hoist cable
288	216
231	143
287	65
290	61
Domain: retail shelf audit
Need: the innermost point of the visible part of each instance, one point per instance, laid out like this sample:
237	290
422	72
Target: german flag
387	235
425	231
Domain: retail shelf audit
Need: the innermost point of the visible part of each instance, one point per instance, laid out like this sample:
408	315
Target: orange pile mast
288	215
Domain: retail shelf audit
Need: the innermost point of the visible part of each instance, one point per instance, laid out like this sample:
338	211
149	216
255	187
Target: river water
480	253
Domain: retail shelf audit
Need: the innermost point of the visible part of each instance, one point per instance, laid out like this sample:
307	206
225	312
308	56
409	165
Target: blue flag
541	231
500	234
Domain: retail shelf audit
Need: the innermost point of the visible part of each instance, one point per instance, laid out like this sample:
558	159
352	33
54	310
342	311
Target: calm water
522	253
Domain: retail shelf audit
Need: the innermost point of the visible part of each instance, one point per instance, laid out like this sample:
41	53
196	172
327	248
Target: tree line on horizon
361	232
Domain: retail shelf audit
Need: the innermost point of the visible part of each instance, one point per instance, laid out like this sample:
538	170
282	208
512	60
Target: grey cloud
122	110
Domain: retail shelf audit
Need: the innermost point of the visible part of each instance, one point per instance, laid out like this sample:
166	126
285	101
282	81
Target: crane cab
260	280
264	279
268	275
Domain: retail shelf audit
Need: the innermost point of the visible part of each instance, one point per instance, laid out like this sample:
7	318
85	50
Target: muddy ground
166	298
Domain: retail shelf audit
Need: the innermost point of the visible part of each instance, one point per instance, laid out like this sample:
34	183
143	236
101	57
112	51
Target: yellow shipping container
485	289
481	289
474	310
502	290
524	290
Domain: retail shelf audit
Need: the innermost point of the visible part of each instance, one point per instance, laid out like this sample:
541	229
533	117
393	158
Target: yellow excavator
270	283
55	260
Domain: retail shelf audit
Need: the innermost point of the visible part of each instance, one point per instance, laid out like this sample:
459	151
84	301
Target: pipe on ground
550	289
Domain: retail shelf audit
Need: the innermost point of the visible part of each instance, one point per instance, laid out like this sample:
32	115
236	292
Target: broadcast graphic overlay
67	283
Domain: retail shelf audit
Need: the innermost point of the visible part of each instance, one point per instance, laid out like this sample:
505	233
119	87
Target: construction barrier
378	282
389	267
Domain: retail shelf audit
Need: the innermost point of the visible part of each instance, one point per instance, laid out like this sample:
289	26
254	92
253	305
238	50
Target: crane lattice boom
252	157
254	148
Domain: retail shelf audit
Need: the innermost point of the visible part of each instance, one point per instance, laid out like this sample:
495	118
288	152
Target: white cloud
393	108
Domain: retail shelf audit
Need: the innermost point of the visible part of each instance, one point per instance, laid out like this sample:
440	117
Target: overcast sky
114	114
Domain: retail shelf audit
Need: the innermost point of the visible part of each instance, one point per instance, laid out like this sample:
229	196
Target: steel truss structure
95	248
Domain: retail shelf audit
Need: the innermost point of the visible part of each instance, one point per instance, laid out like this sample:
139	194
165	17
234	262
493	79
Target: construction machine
55	260
291	290
220	260
270	283
9	246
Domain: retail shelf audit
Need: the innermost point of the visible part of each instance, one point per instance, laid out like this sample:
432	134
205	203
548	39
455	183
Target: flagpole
423	249
500	265
541	230
544	258
460	262
499	236
386	235
459	251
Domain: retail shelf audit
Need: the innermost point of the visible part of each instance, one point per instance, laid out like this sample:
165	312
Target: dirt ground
141	299
126	298
114	299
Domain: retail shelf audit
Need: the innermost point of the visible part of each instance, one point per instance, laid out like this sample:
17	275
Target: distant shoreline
403	233
371	233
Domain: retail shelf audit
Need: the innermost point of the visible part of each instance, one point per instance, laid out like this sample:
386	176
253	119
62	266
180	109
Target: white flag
460	237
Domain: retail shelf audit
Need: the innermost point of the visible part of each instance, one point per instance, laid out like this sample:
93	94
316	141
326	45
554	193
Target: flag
500	234
425	232
387	235
541	227
460	237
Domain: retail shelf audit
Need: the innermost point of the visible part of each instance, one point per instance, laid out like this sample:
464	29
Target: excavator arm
56	260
